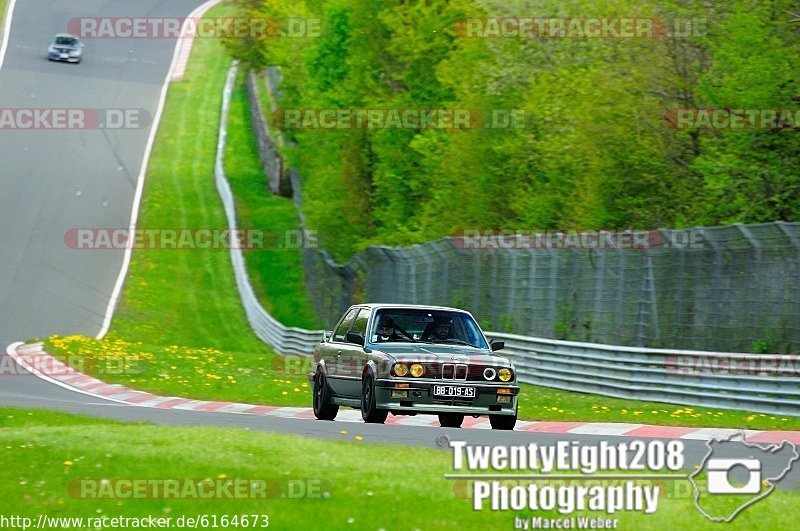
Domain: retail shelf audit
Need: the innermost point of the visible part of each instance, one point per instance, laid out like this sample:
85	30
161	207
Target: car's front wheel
503	422
369	411
324	408
451	420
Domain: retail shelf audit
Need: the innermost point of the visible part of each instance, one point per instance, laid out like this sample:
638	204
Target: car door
353	358
332	354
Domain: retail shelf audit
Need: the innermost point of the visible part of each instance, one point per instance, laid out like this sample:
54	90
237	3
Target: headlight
489	373
505	374
400	369
74	53
51	49
417	370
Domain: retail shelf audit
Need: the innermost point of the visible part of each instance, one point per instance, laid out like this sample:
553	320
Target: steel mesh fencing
736	292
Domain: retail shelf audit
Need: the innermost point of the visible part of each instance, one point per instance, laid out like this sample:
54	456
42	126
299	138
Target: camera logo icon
736	473
719	476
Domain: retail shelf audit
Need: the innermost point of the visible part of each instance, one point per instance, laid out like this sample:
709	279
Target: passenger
386	331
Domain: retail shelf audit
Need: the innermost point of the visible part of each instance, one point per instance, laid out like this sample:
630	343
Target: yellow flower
68	463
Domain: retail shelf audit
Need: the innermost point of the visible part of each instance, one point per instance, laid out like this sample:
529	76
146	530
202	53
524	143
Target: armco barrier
284	339
769	383
765	383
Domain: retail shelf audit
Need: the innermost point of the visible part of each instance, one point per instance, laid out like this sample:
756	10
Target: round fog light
417	370
505	374
489	373
401	369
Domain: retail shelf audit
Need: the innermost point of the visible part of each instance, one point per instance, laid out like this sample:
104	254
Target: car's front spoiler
420	398
60	59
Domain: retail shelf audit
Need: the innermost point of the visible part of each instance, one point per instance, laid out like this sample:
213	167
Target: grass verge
544	403
353	485
276	273
3	4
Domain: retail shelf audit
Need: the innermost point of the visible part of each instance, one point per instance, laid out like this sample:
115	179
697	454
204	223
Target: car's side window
360	324
341	330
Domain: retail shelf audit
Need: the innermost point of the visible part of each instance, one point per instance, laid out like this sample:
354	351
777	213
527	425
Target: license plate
452	391
64	55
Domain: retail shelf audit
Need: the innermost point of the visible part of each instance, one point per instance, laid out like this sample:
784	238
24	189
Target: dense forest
597	147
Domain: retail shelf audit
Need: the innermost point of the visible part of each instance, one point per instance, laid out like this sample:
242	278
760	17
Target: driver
386	331
443	330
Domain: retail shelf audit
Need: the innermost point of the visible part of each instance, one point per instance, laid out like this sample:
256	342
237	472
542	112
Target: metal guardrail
765	383
657	375
284	339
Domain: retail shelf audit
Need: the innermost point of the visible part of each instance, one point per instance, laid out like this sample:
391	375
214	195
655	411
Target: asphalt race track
54	181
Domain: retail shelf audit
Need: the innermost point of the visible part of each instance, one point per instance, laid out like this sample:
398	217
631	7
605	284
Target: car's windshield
65	41
426	326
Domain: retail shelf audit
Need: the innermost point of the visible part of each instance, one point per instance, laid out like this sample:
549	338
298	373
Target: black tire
503	422
451	420
324	408
369	411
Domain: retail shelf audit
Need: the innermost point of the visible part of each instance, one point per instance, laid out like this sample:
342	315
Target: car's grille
454	371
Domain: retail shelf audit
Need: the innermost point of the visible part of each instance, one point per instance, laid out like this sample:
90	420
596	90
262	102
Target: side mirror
326	335
497	344
355	337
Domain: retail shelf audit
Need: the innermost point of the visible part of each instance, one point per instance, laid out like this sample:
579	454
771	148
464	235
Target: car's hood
442	354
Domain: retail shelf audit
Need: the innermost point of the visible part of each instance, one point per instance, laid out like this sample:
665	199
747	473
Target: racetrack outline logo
717	470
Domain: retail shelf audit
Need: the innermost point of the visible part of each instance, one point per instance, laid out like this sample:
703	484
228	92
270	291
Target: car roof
66	35
379	305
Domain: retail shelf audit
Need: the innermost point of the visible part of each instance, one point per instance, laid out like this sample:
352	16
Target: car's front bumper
68	59
419	397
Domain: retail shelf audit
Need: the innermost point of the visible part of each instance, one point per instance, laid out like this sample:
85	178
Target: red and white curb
35	360
185	44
